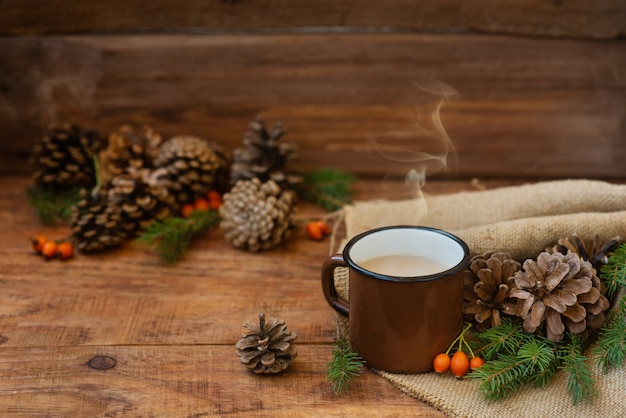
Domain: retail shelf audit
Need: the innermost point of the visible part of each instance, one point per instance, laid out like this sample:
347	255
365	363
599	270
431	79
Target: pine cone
127	148
264	157
64	156
556	291
256	216
141	199
95	224
267	348
189	167
487	285
597	253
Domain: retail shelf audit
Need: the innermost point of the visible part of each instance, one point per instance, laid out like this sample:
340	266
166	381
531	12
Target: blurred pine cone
593	250
257	216
95	224
189	167
63	156
264	156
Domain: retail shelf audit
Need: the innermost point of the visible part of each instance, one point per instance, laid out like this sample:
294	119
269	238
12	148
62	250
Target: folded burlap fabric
523	221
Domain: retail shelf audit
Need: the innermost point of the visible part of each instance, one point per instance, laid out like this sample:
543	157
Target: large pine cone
593	250
189	167
256	216
487	285
141	199
559	291
95	224
128	148
64	156
264	156
267	347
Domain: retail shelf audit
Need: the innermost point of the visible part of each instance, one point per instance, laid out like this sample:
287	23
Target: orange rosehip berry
476	363
214	198
201	204
441	363
324	227
314	231
65	250
49	249
459	364
186	210
38	243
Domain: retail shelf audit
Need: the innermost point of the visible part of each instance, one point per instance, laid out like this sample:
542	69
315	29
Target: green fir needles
613	273
53	205
171	238
610	350
344	366
328	188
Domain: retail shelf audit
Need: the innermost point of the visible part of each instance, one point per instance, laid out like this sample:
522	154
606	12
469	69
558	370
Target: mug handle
328	284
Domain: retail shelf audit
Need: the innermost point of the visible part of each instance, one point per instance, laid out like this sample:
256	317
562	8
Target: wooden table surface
169	331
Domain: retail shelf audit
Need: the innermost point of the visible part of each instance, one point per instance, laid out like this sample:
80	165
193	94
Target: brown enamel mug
405	294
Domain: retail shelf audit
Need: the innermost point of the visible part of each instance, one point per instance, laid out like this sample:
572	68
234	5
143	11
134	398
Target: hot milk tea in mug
405	294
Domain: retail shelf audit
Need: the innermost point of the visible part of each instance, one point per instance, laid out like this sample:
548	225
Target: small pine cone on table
559	292
267	347
129	148
264	157
142	199
189	167
95	224
63	156
595	251
487	285
257	216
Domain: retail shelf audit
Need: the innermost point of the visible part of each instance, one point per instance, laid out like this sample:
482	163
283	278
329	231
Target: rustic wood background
539	85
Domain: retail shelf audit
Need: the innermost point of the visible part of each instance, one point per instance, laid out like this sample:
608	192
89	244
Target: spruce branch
53	205
580	384
170	238
344	366
500	377
328	188
610	349
613	273
505	338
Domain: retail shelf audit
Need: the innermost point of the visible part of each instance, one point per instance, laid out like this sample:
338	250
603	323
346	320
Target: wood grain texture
171	330
360	102
556	18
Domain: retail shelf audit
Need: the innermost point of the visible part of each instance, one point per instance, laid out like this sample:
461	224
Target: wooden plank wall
521	88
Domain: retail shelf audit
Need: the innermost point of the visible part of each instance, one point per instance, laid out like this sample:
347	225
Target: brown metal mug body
399	324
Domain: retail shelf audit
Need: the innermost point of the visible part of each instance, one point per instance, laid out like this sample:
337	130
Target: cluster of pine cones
133	178
558	291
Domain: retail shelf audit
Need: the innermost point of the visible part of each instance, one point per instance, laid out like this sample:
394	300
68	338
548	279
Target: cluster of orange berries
53	249
459	364
317	230
213	201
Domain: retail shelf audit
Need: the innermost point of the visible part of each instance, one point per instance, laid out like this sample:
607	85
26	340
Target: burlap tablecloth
520	220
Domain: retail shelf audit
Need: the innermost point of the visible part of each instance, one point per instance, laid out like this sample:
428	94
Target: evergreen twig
171	238
53	205
610	349
505	338
613	273
344	366
328	188
580	384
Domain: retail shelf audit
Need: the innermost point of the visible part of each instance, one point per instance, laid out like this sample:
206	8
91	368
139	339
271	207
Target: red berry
314	231
324	227
215	199
65	250
476	363
459	364
186	210
441	363
49	249
38	243
201	204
